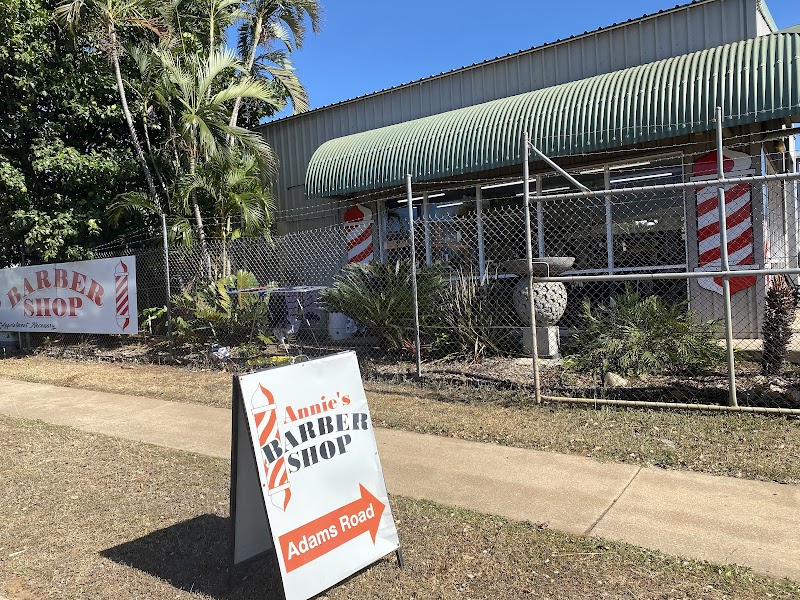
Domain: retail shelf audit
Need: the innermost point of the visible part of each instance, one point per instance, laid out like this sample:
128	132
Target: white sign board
93	296
319	476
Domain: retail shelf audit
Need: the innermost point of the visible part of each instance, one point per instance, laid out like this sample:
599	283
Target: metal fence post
414	297
167	280
526	195
723	251
479	219
426	216
539	218
27	333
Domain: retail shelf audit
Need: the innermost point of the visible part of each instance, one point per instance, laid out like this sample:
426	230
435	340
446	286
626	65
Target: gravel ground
87	516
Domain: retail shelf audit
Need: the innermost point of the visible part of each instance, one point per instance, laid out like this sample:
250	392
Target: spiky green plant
379	297
475	317
635	335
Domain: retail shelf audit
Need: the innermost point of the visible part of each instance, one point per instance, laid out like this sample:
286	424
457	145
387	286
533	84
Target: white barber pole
306	480
739	218
360	247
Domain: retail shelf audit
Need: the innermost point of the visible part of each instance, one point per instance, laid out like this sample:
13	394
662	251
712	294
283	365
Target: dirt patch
739	445
86	516
754	389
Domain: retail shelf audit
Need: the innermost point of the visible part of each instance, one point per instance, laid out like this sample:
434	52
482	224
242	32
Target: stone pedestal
547	341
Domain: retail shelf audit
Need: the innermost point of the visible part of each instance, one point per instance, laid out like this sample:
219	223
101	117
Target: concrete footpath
719	519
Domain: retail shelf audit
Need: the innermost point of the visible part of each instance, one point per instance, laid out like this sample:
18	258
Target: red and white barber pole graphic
122	296
739	219
359	234
265	416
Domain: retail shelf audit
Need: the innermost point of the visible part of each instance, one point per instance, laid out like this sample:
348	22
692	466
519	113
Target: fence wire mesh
657	336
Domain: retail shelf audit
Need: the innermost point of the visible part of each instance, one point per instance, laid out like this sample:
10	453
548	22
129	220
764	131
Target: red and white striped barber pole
263	406
122	296
359	234
739	220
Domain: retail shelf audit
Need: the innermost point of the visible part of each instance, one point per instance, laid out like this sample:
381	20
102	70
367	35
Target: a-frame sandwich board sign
306	479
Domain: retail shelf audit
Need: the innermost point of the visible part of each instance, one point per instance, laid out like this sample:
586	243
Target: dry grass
750	446
208	387
87	516
739	445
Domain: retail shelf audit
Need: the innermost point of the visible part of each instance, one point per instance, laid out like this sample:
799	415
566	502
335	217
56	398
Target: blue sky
369	45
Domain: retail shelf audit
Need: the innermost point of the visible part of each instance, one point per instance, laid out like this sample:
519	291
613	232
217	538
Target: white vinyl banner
319	471
93	296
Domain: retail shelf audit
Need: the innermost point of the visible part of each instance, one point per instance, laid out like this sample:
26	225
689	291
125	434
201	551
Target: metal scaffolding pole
609	223
414	298
479	218
526	195
539	218
426	215
726	282
167	280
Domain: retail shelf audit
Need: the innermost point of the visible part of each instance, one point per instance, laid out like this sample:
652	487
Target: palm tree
103	20
221	15
242	205
201	117
284	21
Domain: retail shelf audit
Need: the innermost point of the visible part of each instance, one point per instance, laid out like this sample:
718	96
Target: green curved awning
753	80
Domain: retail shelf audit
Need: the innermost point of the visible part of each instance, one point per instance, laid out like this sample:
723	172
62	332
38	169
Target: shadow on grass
193	555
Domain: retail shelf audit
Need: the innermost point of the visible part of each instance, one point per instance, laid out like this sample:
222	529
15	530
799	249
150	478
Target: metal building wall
700	25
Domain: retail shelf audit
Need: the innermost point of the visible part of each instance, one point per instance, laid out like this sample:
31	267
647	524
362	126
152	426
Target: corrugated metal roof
753	80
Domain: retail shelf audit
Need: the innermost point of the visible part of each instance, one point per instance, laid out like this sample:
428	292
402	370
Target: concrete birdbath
549	300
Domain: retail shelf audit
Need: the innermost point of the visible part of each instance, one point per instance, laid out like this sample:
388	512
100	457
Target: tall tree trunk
137	147
150	153
198	218
211	29
250	60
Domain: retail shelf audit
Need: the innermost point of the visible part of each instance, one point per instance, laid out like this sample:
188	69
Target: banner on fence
306	479
93	296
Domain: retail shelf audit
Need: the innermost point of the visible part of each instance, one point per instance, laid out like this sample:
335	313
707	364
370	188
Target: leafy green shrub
208	311
779	314
153	319
474	318
640	336
378	296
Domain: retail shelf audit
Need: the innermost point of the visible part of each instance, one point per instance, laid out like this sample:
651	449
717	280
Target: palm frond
137	202
297	93
70	13
217	62
247	88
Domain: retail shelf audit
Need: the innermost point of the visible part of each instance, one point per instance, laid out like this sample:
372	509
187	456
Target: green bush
474	318
378	296
208	312
633	335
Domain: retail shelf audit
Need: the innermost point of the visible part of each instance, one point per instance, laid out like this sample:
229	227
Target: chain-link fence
629	283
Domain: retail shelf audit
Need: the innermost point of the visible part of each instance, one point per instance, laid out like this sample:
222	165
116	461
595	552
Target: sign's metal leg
400	560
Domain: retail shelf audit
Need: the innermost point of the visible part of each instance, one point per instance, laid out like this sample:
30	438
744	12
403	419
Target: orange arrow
312	540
